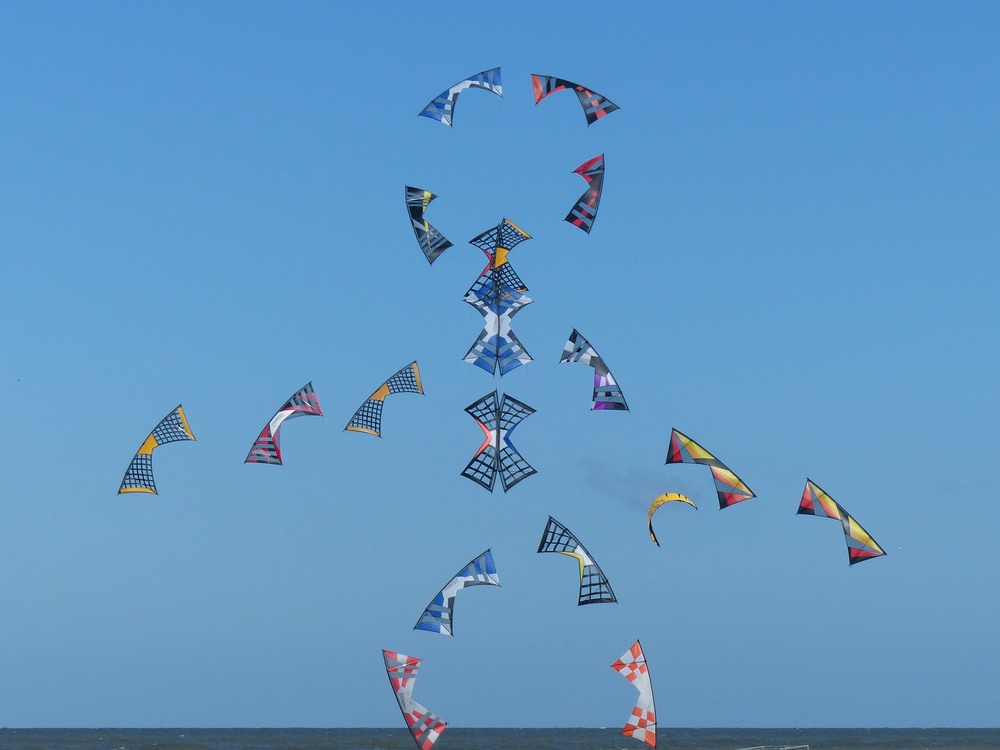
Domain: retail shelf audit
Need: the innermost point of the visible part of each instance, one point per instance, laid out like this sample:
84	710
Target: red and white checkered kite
642	723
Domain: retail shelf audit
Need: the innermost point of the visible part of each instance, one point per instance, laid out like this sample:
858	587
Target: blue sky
791	264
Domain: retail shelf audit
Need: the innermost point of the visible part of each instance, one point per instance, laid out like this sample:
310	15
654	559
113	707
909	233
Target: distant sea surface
493	739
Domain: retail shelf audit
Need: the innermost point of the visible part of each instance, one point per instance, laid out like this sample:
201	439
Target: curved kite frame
442	106
266	448
139	474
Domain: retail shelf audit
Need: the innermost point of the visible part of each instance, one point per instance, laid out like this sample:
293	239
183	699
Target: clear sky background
794	263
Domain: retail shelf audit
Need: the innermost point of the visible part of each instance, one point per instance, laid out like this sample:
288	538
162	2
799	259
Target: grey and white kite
607	394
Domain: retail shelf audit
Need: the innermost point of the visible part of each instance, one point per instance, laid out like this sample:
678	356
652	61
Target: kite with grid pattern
139	474
497	454
594	586
368	417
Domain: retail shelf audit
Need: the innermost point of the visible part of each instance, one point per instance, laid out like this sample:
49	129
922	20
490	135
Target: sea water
493	739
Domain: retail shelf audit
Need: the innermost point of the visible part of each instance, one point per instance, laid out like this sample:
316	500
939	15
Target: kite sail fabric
267	448
368	417
607	395
440	613
860	545
139	474
497	454
642	723
594	587
594	105
498	293
425	727
442	107
730	487
668	497
585	211
431	241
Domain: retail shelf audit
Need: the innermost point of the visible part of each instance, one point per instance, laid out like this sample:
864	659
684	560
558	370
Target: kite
267	448
431	241
594	587
440	613
642	723
585	210
668	497
139	474
368	417
498	275
497	454
498	347
442	107
425	727
594	105
498	293
607	394
729	486
860	545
